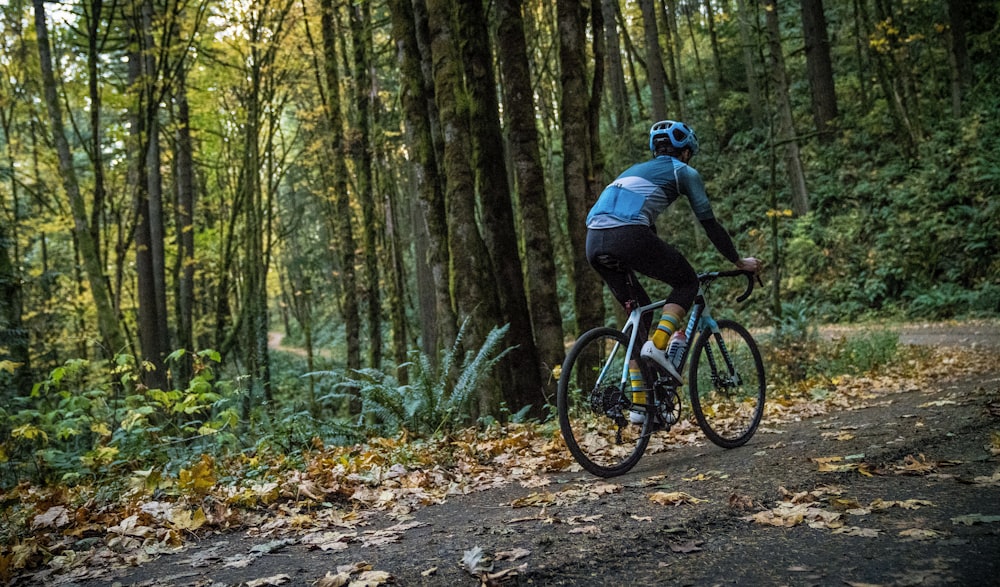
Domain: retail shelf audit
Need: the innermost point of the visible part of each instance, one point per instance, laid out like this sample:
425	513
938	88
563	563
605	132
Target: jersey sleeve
690	184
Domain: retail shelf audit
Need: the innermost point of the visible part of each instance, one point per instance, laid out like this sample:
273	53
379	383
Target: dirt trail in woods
901	488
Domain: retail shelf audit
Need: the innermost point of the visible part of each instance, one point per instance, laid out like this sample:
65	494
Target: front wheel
727	384
594	400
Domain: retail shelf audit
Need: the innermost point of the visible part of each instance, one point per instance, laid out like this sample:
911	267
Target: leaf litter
335	490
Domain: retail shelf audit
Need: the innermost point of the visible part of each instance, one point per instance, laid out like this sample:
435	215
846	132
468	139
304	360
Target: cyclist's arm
690	183
721	239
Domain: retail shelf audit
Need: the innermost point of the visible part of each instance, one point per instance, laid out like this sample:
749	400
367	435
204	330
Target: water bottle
675	347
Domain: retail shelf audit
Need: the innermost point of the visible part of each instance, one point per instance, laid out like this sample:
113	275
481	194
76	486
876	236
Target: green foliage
796	351
92	419
438	397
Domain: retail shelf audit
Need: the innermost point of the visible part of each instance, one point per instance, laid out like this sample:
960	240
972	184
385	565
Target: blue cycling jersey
642	192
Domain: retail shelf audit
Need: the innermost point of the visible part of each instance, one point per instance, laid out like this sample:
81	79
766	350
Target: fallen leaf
686	547
54	517
371	579
920	534
585	530
915	465
856	531
909	504
513	555
972	519
273	580
330	580
326	541
674	498
475	561
535	499
938	403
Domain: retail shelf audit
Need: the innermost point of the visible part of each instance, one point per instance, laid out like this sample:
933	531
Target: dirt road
902	488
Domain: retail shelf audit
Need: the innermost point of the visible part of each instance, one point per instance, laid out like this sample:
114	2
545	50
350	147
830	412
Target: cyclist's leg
665	263
616	243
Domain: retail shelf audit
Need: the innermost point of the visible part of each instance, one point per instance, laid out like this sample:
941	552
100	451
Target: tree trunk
819	68
748	45
529	177
362	152
631	56
110	328
713	35
577	162
147	197
473	286
599	50
786	129
430	225
184	176
343	231
14	337
397	277
675	51
654	65
499	232
958	56
616	72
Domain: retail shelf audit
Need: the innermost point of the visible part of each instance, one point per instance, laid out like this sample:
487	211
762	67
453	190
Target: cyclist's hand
749	264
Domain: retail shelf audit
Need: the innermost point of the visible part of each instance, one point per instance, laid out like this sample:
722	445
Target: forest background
398	188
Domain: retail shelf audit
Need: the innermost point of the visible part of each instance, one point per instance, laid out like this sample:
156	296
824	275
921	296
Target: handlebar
707	278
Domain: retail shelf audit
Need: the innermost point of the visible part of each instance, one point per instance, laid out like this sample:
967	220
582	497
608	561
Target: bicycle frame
700	321
597	403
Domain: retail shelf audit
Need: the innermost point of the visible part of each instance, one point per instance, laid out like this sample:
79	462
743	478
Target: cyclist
621	233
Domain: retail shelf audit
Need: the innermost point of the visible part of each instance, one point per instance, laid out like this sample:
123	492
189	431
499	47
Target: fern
438	396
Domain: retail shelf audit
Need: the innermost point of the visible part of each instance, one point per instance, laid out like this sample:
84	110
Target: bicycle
594	398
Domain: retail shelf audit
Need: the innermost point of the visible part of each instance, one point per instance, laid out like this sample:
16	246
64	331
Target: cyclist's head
669	137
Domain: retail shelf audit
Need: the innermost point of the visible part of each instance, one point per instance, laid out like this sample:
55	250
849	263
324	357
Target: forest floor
900	485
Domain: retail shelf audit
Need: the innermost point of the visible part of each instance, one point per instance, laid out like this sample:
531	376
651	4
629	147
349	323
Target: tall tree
958	55
819	68
747	45
341	207
473	285
786	125
529	178
578	165
713	36
185	193
499	232
14	338
147	192
362	151
616	71
430	223
654	66
110	328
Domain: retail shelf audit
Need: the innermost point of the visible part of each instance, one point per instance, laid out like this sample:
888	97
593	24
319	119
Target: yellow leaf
673	498
920	534
199	478
9	366
183	519
100	428
29	432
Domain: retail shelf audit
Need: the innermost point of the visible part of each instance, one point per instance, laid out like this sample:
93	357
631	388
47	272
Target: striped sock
669	323
637	384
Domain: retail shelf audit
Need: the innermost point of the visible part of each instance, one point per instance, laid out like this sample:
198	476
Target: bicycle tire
728	404
593	404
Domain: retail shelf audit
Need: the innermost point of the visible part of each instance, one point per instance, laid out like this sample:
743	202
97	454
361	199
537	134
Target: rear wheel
594	403
727	384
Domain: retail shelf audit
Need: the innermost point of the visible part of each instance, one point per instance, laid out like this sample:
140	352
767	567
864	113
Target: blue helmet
681	135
